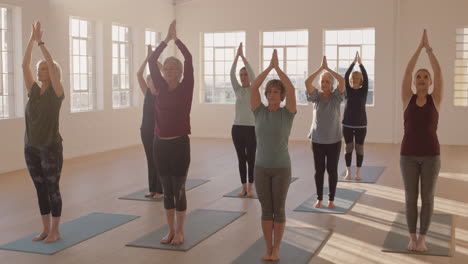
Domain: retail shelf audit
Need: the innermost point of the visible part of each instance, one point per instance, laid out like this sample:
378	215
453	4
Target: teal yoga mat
72	232
235	193
344	200
140	195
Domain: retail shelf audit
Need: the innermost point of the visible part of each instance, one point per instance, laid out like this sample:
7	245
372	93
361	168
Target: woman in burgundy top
171	148
420	160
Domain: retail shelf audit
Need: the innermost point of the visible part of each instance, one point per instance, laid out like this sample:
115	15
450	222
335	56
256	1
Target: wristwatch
40	43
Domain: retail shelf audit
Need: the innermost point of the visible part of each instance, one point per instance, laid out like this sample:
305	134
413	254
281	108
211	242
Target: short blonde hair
356	73
174	60
57	68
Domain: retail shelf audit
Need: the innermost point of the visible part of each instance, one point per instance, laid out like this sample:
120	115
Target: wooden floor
93	184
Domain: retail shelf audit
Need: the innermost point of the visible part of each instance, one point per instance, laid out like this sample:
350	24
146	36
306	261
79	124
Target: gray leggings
272	186
415	169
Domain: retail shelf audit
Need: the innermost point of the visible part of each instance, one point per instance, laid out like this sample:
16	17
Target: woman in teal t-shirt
272	163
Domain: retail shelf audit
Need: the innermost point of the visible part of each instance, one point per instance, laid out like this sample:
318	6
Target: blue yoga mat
72	232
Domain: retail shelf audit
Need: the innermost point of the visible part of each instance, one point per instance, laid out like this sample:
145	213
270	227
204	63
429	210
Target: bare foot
412	245
318	204
52	237
158	196
243	192
168	238
358	175
421	244
275	254
40	237
331	205
178	239
250	194
348	174
267	255
149	195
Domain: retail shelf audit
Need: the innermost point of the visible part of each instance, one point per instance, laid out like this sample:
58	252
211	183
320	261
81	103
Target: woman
43	149
326	130
172	126
147	128
243	130
355	118
273	165
420	150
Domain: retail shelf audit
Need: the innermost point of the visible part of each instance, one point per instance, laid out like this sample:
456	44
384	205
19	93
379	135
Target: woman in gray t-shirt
326	130
272	163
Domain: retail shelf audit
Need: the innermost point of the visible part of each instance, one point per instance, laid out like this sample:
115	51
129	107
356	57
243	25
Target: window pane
331	37
75	27
209	54
208	40
83	29
267	38
331	52
209	68
279	38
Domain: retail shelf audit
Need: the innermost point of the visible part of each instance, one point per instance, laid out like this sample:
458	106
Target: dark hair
278	84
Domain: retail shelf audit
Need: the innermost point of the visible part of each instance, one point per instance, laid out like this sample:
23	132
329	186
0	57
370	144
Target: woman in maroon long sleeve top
172	126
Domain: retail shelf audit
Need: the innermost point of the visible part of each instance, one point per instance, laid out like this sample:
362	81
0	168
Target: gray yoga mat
140	195
299	245
235	193
344	200
438	239
72	232
199	225
369	174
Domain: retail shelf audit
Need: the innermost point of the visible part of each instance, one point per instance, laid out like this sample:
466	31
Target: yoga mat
369	174
199	225
140	195
299	245
438	238
344	200
235	193
72	232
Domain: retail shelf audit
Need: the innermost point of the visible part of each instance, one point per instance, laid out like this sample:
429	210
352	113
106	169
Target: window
121	93
82	66
219	52
460	97
292	48
340	49
152	38
7	87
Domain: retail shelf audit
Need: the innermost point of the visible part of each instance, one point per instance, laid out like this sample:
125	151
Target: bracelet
40	43
428	50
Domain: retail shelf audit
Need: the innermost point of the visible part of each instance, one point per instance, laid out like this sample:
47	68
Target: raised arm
339	78
247	65
365	78
290	90
348	72
234	81
141	70
255	99
154	66
27	73
406	91
188	64
437	93
53	71
309	83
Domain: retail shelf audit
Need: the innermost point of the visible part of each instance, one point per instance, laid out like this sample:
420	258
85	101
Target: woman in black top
43	150
354	118
147	128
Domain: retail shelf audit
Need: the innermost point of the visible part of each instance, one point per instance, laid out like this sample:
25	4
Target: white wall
398	25
260	15
88	132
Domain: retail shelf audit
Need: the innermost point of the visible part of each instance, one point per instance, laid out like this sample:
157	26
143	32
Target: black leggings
354	138
45	165
172	160
245	142
154	182
326	156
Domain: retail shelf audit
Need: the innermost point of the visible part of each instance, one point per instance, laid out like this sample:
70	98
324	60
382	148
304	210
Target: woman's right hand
240	52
